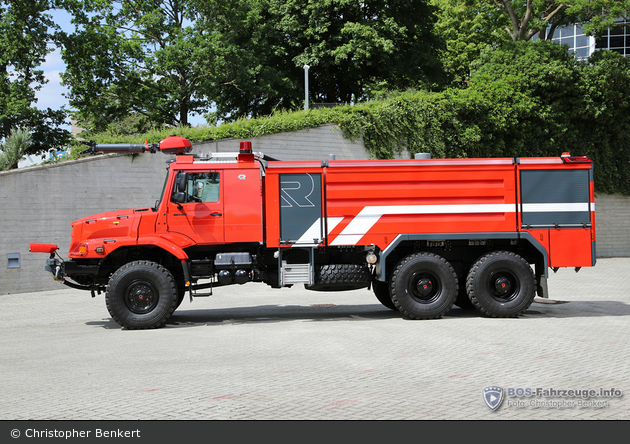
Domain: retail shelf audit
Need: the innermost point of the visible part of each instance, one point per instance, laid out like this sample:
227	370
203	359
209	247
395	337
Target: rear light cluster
568	158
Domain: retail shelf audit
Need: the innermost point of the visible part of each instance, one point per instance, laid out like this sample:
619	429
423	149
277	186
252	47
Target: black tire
501	284
340	277
423	286
141	295
462	300
381	291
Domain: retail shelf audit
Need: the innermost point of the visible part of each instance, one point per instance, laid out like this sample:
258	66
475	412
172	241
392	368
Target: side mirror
181	181
179	197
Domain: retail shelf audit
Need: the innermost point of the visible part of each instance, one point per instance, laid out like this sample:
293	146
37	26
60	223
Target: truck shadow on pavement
560	309
278	313
368	312
579	309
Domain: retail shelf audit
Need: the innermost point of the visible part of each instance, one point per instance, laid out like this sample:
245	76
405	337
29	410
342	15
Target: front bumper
63	270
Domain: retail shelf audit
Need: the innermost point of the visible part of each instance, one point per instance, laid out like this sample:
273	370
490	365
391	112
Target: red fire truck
423	234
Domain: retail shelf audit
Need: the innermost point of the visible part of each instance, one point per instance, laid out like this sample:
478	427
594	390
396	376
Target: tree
534	89
605	126
354	45
467	27
165	59
252	71
534	17
15	147
351	47
470	26
136	56
27	35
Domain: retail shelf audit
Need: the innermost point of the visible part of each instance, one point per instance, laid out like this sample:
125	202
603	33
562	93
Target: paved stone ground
252	352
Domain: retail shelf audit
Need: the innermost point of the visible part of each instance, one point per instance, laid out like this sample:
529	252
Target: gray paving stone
252	352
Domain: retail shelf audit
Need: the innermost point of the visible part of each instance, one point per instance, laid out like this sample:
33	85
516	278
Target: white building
616	39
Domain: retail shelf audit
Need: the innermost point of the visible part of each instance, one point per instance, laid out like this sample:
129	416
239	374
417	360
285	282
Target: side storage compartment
557	206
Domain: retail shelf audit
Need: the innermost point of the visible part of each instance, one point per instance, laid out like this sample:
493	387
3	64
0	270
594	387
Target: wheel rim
424	287
503	286
141	296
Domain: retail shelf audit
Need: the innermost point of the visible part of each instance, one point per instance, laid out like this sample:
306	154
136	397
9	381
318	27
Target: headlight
371	258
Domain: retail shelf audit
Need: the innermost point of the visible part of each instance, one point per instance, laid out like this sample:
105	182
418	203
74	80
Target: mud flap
541	287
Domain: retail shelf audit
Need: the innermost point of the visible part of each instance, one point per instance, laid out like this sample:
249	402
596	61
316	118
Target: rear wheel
423	286
462	300
141	294
501	284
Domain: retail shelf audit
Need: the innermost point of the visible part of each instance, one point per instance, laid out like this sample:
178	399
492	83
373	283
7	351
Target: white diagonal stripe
332	222
368	216
314	232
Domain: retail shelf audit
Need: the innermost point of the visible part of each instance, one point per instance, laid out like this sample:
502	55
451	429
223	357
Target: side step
296	274
194	288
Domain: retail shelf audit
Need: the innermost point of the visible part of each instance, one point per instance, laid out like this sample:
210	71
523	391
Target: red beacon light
245	153
246	148
175	145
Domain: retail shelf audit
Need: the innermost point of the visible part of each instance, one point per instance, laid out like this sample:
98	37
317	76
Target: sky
51	94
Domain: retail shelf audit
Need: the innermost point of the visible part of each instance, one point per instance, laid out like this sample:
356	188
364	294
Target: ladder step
296	274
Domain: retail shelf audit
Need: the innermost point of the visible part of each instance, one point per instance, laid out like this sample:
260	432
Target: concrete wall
612	223
311	144
37	204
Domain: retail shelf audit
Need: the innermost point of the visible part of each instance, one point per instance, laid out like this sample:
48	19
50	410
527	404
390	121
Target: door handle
216	214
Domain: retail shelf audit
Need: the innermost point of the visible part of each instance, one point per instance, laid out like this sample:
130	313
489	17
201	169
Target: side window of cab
197	187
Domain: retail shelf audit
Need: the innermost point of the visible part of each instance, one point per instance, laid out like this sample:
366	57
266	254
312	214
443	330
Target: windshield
157	202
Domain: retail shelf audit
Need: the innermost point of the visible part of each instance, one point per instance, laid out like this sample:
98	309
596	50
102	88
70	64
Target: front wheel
423	286
381	291
141	295
501	284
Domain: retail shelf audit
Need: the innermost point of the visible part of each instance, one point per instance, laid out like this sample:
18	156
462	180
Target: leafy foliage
150	58
27	35
604	132
467	28
535	17
166	59
14	148
351	45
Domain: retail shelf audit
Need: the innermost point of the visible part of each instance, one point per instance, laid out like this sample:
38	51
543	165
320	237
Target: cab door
196	207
